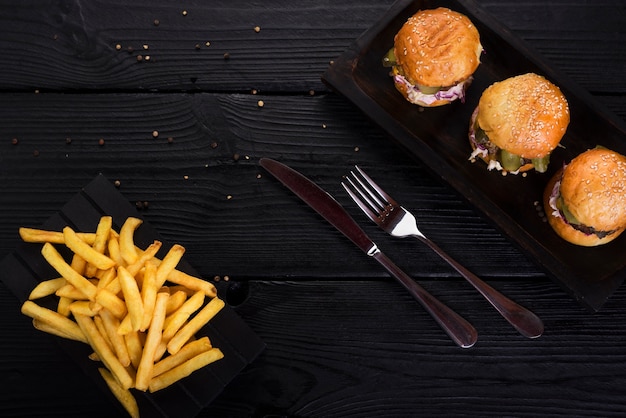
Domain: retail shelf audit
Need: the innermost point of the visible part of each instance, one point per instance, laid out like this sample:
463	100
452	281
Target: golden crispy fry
63	306
104	351
117	294
85	307
47	288
176	320
188	351
134	346
111	323
100	242
53	257
142	258
125	397
47	328
132	297
175	301
111	302
126	239
42	236
185	369
149	291
194	325
169	263
84	250
70	292
144	371
54	319
193	283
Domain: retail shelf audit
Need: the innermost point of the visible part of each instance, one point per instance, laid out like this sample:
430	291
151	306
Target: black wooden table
177	101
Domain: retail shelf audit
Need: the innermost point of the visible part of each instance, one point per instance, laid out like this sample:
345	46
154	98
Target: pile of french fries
138	313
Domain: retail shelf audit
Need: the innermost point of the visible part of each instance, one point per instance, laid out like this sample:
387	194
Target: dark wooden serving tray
438	138
23	269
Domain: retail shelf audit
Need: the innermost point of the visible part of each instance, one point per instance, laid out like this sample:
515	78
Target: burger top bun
525	115
565	230
437	48
594	189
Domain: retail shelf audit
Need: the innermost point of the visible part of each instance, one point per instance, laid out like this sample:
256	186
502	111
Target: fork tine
360	203
375	186
375	199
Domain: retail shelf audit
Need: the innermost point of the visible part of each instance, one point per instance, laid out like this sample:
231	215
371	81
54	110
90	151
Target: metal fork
398	222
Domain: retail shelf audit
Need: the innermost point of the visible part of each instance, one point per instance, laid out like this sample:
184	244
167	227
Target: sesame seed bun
437	48
525	115
593	187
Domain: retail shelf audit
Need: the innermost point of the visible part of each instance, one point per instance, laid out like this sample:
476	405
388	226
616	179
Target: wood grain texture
343	340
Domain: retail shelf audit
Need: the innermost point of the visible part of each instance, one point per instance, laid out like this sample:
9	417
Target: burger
434	56
517	124
587	198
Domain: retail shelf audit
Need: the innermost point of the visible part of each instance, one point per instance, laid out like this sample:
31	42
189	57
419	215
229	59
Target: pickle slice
566	213
389	60
510	161
428	89
541	164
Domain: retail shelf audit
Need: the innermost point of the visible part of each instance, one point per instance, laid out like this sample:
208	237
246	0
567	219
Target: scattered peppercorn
184	12
260	103
36	153
170	140
101	141
213	144
14	141
226	55
155	134
118	47
139	58
68	140
236	157
257	29
156	22
117	183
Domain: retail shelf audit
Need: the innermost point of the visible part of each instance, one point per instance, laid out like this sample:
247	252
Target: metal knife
461	331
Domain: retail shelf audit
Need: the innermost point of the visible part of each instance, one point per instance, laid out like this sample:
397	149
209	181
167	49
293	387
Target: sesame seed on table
175	103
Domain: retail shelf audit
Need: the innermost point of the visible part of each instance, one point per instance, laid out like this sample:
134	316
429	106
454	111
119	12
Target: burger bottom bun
404	90
564	230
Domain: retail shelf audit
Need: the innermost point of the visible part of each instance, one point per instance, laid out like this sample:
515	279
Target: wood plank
230	215
74	45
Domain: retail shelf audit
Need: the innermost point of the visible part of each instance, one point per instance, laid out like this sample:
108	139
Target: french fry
42	236
191	282
176	300
53	257
132	296
111	323
70	292
149	291
84	307
49	329
113	247
111	302
194	325
84	250
185	369
134	346
127	239
146	365
188	351
100	242
117	295
176	320
47	288
169	263
54	319
104	351
146	255
124	396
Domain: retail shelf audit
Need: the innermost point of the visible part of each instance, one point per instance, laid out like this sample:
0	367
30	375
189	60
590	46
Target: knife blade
461	331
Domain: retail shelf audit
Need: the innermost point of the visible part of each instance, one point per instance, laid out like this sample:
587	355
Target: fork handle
526	322
461	331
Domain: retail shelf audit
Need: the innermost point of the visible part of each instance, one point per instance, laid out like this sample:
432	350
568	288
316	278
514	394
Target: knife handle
461	331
